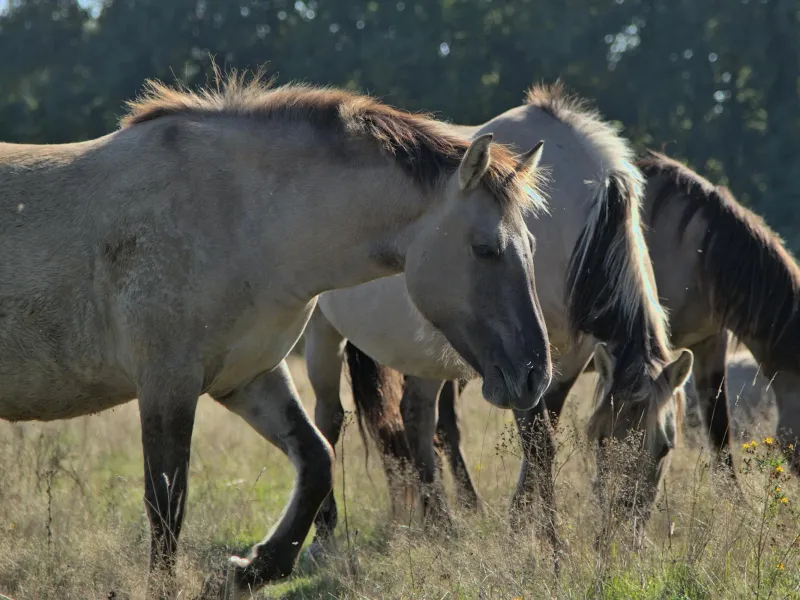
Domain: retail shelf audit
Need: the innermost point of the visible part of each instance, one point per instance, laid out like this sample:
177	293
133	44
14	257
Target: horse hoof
229	586
316	554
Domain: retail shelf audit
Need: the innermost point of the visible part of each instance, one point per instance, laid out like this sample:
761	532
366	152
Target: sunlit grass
72	522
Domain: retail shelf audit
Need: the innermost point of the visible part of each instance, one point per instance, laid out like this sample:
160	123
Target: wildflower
779	469
779	566
768	441
784	500
745	446
777	489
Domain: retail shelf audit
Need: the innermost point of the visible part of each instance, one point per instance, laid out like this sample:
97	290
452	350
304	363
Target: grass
72	522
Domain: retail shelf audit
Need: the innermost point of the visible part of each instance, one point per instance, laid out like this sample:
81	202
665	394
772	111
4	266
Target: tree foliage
715	83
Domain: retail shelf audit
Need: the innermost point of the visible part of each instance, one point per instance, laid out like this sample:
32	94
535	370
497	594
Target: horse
184	253
600	288
731	275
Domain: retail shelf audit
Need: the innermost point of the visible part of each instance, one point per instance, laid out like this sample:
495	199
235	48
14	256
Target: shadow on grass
308	580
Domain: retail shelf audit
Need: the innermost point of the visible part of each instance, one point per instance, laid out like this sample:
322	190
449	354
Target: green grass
72	523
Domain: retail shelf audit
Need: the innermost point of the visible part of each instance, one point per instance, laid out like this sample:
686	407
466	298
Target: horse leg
167	405
536	429
449	436
270	405
418	408
324	351
712	396
377	393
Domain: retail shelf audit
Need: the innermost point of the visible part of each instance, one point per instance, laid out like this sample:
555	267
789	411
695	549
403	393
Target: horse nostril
532	383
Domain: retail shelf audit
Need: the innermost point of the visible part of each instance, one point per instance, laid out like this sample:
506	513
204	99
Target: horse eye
486	251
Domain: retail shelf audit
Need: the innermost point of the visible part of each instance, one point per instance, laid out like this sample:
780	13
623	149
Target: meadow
72	521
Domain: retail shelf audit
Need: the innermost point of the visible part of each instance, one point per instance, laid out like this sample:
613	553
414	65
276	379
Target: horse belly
54	359
59	396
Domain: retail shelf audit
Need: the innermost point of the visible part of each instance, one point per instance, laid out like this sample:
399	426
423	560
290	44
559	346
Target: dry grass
72	524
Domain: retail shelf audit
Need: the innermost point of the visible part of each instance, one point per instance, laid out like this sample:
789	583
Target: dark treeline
714	82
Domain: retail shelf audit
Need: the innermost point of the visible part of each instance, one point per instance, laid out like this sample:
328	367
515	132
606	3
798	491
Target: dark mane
419	145
609	287
753	282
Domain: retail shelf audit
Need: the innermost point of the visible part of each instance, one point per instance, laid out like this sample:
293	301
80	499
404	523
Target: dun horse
718	267
184	254
595	284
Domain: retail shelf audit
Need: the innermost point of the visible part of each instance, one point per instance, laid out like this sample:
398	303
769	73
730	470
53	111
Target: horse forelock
427	152
752	282
601	139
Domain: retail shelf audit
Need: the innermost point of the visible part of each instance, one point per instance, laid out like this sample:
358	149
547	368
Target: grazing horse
184	253
718	267
595	284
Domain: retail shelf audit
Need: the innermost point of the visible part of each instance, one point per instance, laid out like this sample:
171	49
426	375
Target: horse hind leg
324	352
167	405
271	405
448	435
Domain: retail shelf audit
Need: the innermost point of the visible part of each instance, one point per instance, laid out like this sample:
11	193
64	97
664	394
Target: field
72	523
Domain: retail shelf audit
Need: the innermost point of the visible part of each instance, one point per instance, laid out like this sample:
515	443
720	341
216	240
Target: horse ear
677	372
603	362
475	162
530	160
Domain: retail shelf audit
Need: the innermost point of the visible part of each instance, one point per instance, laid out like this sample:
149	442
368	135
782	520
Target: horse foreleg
324	354
167	406
418	408
712	396
449	436
536	429
271	405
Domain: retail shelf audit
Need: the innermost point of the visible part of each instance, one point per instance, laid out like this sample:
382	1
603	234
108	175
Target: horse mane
610	287
419	145
751	280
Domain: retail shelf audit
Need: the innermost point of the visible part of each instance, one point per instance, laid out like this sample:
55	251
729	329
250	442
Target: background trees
715	83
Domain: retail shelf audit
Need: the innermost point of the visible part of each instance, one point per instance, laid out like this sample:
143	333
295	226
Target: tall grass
72	521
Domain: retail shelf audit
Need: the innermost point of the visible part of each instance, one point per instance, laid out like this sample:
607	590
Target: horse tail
377	391
610	286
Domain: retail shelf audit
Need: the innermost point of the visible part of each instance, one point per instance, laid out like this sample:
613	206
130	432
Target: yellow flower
745	446
779	566
784	500
777	489
768	441
779	469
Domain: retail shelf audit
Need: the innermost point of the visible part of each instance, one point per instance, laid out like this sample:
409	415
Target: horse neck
342	225
747	282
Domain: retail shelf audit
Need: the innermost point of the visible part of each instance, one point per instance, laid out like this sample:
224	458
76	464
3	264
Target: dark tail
377	391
